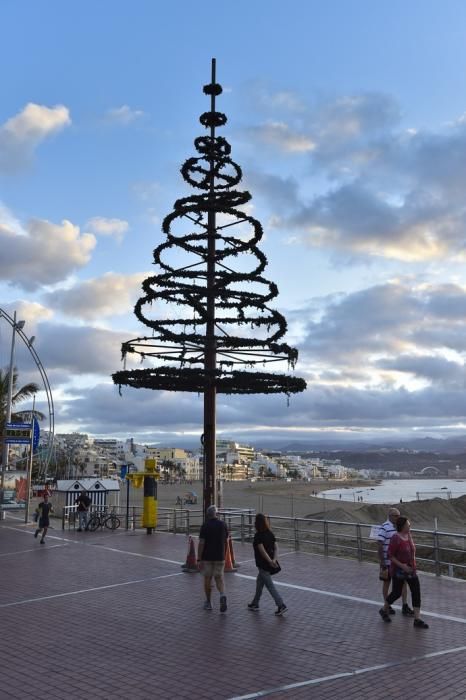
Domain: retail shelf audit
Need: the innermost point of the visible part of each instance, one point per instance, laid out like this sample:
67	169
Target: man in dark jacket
211	556
83	502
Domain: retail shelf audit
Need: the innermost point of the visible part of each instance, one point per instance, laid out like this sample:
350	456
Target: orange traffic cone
191	561
228	560
232	554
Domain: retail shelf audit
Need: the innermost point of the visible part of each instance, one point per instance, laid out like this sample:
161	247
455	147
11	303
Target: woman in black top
265	553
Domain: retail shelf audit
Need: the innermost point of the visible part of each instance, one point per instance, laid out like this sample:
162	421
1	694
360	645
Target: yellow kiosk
148	478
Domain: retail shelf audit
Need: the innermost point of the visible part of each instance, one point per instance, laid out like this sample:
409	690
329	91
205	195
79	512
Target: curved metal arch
48	391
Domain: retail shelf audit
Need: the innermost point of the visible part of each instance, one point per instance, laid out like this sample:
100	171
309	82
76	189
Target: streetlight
17	326
29	343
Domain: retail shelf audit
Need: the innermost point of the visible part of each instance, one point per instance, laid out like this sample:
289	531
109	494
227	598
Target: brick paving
110	615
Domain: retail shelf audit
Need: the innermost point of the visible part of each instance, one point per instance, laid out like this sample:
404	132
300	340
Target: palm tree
19	394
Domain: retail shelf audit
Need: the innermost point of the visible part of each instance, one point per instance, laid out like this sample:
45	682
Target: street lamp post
30	462
17	326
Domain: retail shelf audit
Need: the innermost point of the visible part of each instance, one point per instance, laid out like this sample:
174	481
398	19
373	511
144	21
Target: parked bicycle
102	520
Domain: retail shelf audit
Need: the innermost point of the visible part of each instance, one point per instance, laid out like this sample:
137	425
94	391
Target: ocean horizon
399	490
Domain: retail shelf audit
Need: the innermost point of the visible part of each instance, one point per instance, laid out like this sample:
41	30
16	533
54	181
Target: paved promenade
111	616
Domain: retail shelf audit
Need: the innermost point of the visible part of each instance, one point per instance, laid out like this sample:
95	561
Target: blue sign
35	433
18	433
123	471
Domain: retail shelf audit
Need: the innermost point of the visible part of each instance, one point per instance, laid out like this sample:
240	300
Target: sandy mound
450	514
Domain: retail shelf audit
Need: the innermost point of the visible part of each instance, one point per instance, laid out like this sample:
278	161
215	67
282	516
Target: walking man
43	509
83	502
386	532
211	556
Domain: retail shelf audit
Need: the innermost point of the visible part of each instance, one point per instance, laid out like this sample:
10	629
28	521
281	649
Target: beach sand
294	499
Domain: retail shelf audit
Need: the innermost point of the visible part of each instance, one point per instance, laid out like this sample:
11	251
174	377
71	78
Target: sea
399	490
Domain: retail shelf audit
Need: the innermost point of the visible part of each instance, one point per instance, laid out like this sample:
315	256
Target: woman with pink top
402	555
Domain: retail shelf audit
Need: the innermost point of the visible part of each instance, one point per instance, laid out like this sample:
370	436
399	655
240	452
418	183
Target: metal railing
438	552
69	516
442	553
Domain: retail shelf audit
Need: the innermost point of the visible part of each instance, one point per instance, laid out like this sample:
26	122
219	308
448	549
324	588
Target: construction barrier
190	566
232	554
229	566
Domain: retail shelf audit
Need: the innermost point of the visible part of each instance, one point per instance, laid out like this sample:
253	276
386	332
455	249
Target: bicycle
102	520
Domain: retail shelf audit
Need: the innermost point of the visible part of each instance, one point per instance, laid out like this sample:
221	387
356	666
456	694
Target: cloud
375	359
387	335
30	311
281	136
332	130
108	227
146	191
347	130
73	351
279	192
123	115
22	134
352	407
102	410
381	190
355	219
352	327
166	416
41	253
108	295
433	369
366	367
281	101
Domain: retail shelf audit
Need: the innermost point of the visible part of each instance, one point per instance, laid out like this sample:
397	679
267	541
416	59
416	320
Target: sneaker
79	529
253	606
391	611
384	615
421	623
407	611
207	605
42	541
281	609
36	533
223	603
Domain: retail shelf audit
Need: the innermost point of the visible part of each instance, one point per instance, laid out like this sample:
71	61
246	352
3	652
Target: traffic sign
35	433
18	433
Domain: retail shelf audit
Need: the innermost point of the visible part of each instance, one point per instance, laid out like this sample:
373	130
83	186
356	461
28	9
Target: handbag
403	575
384	573
275	569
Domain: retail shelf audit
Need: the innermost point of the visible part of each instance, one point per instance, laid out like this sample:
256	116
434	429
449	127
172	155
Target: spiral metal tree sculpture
207	235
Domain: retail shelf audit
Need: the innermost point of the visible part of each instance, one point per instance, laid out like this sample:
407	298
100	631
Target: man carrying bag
83	502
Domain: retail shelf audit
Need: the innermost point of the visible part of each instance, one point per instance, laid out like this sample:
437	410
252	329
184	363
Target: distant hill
454	445
335	442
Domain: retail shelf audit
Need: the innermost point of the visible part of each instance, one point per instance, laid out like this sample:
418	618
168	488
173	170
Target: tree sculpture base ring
197	380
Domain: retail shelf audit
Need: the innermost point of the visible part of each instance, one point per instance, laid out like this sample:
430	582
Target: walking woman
402	555
265	553
43	509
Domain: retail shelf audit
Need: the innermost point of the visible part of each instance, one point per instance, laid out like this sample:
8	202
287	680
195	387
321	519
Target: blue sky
349	121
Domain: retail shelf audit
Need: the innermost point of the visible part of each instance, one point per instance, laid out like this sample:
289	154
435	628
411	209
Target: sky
349	122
